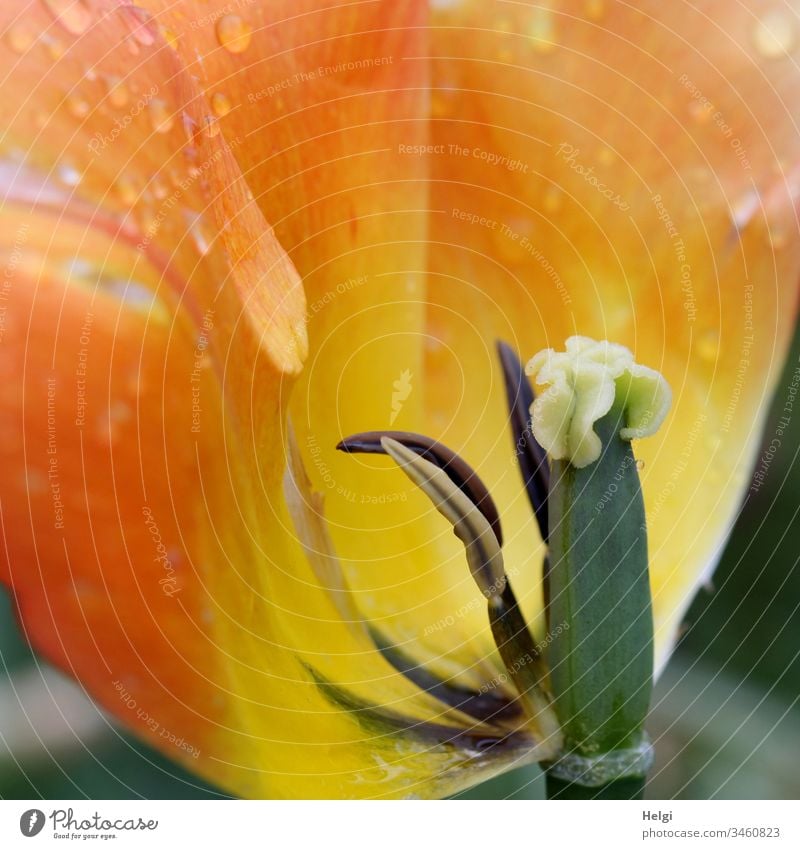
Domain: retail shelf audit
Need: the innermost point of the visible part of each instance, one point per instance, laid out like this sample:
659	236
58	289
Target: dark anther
459	472
530	455
492	706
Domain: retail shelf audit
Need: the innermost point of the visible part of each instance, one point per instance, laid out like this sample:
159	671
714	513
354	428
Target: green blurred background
725	718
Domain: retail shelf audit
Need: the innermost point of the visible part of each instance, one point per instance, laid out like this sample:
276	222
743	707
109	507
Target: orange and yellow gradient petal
438	179
153	330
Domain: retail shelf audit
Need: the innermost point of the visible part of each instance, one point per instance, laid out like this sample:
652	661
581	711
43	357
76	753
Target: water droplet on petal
744	210
19	38
775	34
553	199
505	53
707	345
80	269
54	47
126	191
606	156
189	127
441	104
701	111
161	117
195	224
221	104
542	31
160	191
77	106
69	175
640	465
595	9
210	126
118	94
233	33
170	36
73	15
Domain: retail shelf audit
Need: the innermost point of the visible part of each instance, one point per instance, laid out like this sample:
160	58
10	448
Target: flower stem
602	663
626	788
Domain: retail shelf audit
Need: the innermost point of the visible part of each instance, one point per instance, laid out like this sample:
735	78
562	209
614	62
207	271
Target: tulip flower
236	234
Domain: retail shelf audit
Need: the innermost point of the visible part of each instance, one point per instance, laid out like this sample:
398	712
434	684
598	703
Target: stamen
457	469
489	704
469	524
531	457
522	658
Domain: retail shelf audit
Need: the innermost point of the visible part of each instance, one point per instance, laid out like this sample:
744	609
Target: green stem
602	663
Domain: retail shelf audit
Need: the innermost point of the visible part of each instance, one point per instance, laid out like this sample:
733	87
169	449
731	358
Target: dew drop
221	104
73	15
77	106
118	94
442	102
553	199
126	191
774	34
195	226
744	210
505	55
595	9
160	191
701	112
640	465
189	127
707	345
606	156
210	126
69	175
541	30
170	36
34	481
233	33
19	39
54	47
81	270
161	118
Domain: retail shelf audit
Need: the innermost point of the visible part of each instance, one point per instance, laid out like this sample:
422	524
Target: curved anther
531	456
469	524
456	468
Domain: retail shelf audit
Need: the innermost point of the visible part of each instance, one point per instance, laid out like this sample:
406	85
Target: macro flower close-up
381	381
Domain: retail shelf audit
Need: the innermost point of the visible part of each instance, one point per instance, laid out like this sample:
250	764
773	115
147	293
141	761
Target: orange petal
332	99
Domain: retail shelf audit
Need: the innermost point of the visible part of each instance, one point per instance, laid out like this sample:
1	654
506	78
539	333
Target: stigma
583	384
